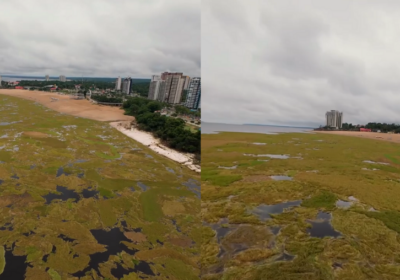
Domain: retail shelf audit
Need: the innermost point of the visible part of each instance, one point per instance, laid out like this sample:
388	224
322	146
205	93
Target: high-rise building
334	119
175	94
194	94
126	85
171	86
118	84
155	85
62	78
47	78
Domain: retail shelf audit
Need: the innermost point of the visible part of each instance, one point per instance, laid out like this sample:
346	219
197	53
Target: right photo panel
300	143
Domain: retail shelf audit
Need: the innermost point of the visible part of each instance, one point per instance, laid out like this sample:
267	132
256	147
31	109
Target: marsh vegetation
79	199
331	218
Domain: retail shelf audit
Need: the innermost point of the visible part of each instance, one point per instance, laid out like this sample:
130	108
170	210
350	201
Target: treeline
103	98
69	85
141	88
382	127
182	110
171	131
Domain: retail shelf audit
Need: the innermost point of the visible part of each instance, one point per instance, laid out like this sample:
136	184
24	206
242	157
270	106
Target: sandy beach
150	141
114	115
79	108
369	135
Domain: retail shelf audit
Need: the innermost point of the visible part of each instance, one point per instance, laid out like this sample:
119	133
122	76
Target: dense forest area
171	131
103	98
141	88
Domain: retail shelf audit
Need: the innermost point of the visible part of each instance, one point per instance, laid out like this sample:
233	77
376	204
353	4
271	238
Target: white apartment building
126	85
118	84
155	86
62	78
194	94
334	119
47	78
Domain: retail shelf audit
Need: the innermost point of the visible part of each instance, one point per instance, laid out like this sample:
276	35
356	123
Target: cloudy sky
288	62
103	38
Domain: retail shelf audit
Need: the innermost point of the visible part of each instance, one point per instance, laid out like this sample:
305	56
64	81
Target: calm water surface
212	128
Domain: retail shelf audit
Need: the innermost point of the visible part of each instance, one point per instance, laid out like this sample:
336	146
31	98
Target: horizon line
259	124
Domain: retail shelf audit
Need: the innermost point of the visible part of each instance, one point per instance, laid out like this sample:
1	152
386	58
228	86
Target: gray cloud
288	62
100	37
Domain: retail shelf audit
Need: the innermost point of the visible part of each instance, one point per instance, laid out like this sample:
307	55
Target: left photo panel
100	129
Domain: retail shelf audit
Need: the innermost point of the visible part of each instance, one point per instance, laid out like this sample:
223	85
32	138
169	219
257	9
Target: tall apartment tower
334	119
47	78
118	84
126	85
194	94
155	86
62	78
171	86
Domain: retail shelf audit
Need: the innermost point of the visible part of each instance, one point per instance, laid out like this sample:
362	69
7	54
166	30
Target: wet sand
369	135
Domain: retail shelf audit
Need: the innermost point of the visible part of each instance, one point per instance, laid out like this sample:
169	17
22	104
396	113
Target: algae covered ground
79	200
299	206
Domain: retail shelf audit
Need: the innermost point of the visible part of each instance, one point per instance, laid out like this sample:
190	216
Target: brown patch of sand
135	236
368	135
35	134
66	105
182	241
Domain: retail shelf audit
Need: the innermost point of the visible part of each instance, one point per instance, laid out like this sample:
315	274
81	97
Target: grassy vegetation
325	169
101	171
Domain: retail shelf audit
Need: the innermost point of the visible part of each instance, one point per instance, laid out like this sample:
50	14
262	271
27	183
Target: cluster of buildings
124	85
170	87
62	78
334	119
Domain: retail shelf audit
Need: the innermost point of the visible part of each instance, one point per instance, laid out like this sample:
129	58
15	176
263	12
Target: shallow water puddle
374	162
65	195
170	170
268	155
285	257
15	267
352	198
194	187
228	167
343	204
142	186
321	227
263	211
60	171
113	240
88	193
371	169
281	178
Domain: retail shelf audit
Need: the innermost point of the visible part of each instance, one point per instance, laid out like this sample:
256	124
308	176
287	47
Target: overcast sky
136	38
288	62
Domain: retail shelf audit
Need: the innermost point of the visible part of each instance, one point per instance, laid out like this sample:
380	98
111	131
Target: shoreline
388	137
112	115
147	139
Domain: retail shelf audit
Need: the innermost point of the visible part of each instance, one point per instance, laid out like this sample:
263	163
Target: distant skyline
100	38
288	62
